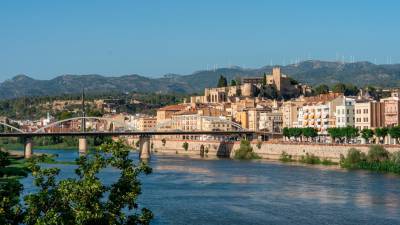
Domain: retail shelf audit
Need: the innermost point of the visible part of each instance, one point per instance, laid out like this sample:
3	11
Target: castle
277	85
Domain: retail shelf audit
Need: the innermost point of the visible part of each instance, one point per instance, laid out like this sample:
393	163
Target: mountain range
312	72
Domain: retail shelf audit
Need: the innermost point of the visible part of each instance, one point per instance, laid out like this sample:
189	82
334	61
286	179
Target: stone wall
267	150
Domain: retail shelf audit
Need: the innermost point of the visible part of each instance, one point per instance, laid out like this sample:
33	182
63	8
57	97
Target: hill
311	72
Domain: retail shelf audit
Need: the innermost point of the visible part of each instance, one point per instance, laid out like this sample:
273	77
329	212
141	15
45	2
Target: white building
345	114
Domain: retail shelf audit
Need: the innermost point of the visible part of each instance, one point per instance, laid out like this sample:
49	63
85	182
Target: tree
310	132
351	90
233	83
245	152
349	132
321	89
85	199
286	132
394	132
367	134
222	82
339	88
295	132
264	79
381	133
336	133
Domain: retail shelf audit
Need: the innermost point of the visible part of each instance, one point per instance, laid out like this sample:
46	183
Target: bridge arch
12	127
110	120
174	123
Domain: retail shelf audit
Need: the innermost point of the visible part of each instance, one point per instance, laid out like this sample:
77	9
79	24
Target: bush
185	146
201	150
353	159
245	152
328	162
395	157
285	157
310	159
163	141
377	153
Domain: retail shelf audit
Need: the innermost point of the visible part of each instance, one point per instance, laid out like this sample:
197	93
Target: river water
184	190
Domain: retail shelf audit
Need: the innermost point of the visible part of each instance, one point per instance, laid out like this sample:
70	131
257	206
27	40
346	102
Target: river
184	190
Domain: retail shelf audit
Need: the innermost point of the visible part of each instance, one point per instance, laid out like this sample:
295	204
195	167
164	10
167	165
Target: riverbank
266	150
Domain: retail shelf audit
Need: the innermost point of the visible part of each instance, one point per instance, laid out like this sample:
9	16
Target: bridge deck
135	133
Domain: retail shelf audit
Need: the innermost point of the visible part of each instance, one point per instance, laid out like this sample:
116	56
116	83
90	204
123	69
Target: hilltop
312	72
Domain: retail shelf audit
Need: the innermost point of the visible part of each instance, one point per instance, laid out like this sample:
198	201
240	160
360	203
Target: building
290	111
369	114
271	122
319	112
392	109
146	123
345	114
166	113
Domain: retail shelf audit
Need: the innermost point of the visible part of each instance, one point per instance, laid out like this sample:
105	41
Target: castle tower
276	74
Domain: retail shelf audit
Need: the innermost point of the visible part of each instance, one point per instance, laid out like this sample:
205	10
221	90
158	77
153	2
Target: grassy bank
377	159
307	159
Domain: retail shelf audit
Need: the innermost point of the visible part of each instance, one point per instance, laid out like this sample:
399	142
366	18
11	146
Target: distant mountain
311	72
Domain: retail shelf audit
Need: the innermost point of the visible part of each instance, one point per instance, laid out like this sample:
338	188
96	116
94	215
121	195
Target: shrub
285	157
310	159
377	153
353	159
185	146
202	150
245	152
395	158
328	162
163	141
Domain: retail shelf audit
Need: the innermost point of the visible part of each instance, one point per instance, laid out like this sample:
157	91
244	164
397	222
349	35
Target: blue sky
44	39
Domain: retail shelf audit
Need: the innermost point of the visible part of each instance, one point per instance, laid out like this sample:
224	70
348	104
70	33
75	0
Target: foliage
321	89
233	82
286	132
394	132
222	82
342	132
353	158
309	132
4	159
381	132
163	141
310	159
85	200
378	159
185	146
339	88
367	134
202	150
377	153
245	152
10	208
285	157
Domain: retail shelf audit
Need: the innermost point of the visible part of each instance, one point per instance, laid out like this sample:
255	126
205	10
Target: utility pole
83	111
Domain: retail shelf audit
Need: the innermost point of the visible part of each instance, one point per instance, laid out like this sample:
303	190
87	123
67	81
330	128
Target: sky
44	39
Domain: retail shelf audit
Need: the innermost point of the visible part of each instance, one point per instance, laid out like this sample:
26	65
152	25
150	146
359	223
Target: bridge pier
144	147
82	147
28	148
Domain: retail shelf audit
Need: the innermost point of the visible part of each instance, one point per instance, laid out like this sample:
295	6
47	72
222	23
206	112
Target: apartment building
392	109
345	113
369	114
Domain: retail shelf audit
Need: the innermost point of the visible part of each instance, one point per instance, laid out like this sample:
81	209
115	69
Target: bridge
83	127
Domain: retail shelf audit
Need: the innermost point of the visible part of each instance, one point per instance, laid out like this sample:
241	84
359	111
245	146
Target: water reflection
196	191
